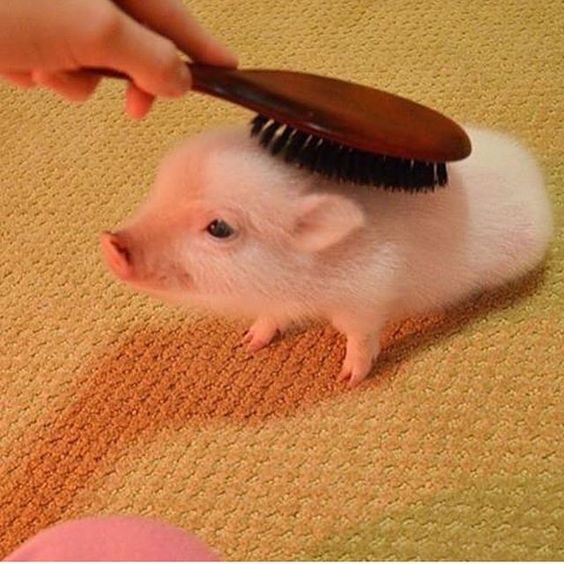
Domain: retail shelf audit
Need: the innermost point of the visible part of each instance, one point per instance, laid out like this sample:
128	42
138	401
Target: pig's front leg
261	333
363	346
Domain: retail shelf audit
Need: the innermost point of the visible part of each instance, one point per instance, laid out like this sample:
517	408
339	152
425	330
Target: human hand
52	44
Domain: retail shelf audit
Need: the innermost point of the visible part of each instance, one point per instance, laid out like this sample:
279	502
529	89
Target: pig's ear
323	220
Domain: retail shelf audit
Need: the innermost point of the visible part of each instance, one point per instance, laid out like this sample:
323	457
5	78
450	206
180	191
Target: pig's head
227	225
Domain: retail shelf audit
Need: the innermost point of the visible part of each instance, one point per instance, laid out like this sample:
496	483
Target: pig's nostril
116	253
120	247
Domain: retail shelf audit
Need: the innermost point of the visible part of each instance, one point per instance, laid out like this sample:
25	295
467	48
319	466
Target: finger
76	86
151	61
138	103
21	79
173	20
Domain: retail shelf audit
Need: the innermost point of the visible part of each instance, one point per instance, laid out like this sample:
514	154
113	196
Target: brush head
354	115
345	131
345	164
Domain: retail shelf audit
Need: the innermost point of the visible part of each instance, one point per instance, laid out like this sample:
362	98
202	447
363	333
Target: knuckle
167	69
168	61
105	26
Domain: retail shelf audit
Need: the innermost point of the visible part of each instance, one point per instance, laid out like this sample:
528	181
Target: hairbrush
342	130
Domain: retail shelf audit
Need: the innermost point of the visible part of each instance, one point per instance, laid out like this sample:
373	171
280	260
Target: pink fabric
113	538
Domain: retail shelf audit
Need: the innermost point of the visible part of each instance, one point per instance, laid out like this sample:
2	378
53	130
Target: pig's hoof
254	343
260	335
362	352
353	374
356	368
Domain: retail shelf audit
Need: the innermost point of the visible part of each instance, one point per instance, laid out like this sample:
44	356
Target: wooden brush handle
194	71
358	116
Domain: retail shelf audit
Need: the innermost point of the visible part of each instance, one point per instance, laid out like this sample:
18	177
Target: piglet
228	227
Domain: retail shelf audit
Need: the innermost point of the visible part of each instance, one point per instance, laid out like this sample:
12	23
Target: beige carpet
111	403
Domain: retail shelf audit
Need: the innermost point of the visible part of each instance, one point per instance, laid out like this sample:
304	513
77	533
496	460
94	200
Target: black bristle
420	172
268	133
363	166
257	124
358	166
412	175
282	140
335	163
332	160
376	167
345	164
391	167
401	174
323	161
295	145
429	174
344	170
338	159
371	168
387	172
417	173
308	155
405	174
442	174
356	158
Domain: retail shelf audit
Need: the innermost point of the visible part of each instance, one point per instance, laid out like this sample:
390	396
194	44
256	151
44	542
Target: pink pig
231	228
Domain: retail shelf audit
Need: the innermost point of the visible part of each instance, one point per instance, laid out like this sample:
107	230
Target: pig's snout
117	254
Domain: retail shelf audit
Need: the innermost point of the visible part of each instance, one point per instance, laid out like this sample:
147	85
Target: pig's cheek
173	275
186	281
179	279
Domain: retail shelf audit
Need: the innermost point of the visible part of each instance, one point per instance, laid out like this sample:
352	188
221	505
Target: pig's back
509	214
490	225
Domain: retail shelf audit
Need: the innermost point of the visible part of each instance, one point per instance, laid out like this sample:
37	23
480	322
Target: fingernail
220	55
184	77
230	58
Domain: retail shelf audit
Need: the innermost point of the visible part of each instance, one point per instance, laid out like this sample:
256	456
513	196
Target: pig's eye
219	229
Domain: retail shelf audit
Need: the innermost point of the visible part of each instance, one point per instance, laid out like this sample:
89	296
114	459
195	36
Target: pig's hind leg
363	345
261	333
